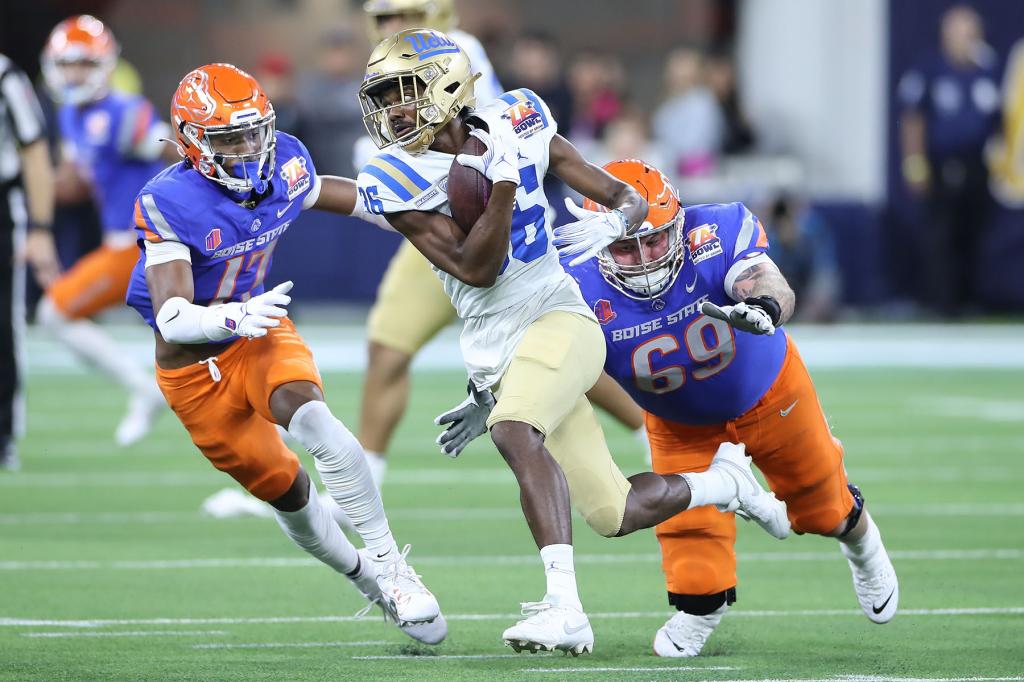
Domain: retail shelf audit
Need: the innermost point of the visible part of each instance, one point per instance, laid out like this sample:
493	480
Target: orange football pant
230	420
788	437
97	281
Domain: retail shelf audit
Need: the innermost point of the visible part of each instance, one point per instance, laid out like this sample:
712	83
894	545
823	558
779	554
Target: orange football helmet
646	279
224	127
78	60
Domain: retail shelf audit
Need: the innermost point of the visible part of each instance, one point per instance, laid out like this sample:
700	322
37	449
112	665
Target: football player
111	146
228	360
411	307
527	334
692	310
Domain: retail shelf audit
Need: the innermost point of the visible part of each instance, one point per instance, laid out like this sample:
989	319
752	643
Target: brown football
468	190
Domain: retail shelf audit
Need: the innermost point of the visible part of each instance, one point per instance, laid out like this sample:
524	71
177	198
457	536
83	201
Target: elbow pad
182	322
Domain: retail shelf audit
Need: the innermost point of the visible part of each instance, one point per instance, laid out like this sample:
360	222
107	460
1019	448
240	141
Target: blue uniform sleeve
158	218
139	130
294	167
723	240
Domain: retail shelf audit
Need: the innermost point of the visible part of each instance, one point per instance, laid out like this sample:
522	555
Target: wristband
767	304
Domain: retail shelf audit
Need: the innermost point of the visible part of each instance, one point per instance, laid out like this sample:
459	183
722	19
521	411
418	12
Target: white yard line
288	645
468	514
651	669
437	657
1007	554
130	633
286	620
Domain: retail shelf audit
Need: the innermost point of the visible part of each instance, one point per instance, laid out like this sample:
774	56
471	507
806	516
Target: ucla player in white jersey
528	336
411	307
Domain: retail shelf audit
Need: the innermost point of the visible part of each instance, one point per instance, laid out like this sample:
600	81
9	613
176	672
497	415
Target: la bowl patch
294	172
703	243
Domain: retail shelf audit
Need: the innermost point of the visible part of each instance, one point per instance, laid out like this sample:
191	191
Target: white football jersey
532	281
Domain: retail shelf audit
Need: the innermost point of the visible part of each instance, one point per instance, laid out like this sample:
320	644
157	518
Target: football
468	190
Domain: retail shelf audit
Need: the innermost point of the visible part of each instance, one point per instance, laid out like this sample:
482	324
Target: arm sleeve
23	108
158	253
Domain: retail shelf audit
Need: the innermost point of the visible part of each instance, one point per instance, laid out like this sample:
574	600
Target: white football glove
743	316
592	231
467	420
253	318
500	163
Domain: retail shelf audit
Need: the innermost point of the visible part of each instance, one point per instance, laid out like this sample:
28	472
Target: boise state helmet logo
603	311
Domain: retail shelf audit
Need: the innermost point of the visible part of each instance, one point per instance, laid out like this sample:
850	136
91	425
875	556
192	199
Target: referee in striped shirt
26	215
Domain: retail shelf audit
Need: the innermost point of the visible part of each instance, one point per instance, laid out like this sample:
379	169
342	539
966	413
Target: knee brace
858	508
702	604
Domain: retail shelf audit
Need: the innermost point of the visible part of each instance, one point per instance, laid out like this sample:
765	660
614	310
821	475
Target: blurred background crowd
880	142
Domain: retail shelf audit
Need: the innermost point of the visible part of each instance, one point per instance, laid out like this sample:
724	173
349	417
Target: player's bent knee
297	495
702	604
606	521
287	398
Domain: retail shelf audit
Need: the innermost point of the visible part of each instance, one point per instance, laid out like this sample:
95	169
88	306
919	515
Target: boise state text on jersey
104	136
674	361
231	246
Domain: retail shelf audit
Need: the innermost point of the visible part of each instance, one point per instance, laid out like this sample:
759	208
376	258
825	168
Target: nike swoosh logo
283	210
785	412
879	609
175	315
691	287
573	631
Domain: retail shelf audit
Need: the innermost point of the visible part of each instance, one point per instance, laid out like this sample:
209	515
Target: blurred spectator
329	112
627	137
537	65
688	126
596	82
276	73
738	135
950	102
804	249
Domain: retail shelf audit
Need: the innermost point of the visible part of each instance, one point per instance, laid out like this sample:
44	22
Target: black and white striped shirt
21	119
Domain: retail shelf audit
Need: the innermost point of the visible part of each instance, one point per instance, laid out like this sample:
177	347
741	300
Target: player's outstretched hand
466	421
500	163
261	313
591	232
743	316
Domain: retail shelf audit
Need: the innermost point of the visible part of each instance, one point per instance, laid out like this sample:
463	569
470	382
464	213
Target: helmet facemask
648	278
239	156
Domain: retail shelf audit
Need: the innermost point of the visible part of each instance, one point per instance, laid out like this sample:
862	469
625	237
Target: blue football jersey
674	361
106	138
231	246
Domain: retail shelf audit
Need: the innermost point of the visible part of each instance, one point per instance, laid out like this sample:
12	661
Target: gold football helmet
436	14
420	68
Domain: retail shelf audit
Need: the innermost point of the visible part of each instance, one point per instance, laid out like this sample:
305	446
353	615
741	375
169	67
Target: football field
109	571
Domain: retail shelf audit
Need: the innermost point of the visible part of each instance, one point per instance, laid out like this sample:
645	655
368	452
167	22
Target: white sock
378	467
869	546
96	347
342	466
710	487
313	529
561	576
335	511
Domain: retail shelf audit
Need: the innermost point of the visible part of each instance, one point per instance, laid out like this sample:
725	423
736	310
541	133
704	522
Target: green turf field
107	570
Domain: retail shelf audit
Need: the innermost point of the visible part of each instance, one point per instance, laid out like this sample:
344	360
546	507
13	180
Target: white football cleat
404	593
875	583
143	409
683	635
752	501
432	632
547	627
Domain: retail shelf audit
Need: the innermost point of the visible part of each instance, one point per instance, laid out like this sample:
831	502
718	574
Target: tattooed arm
764	279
